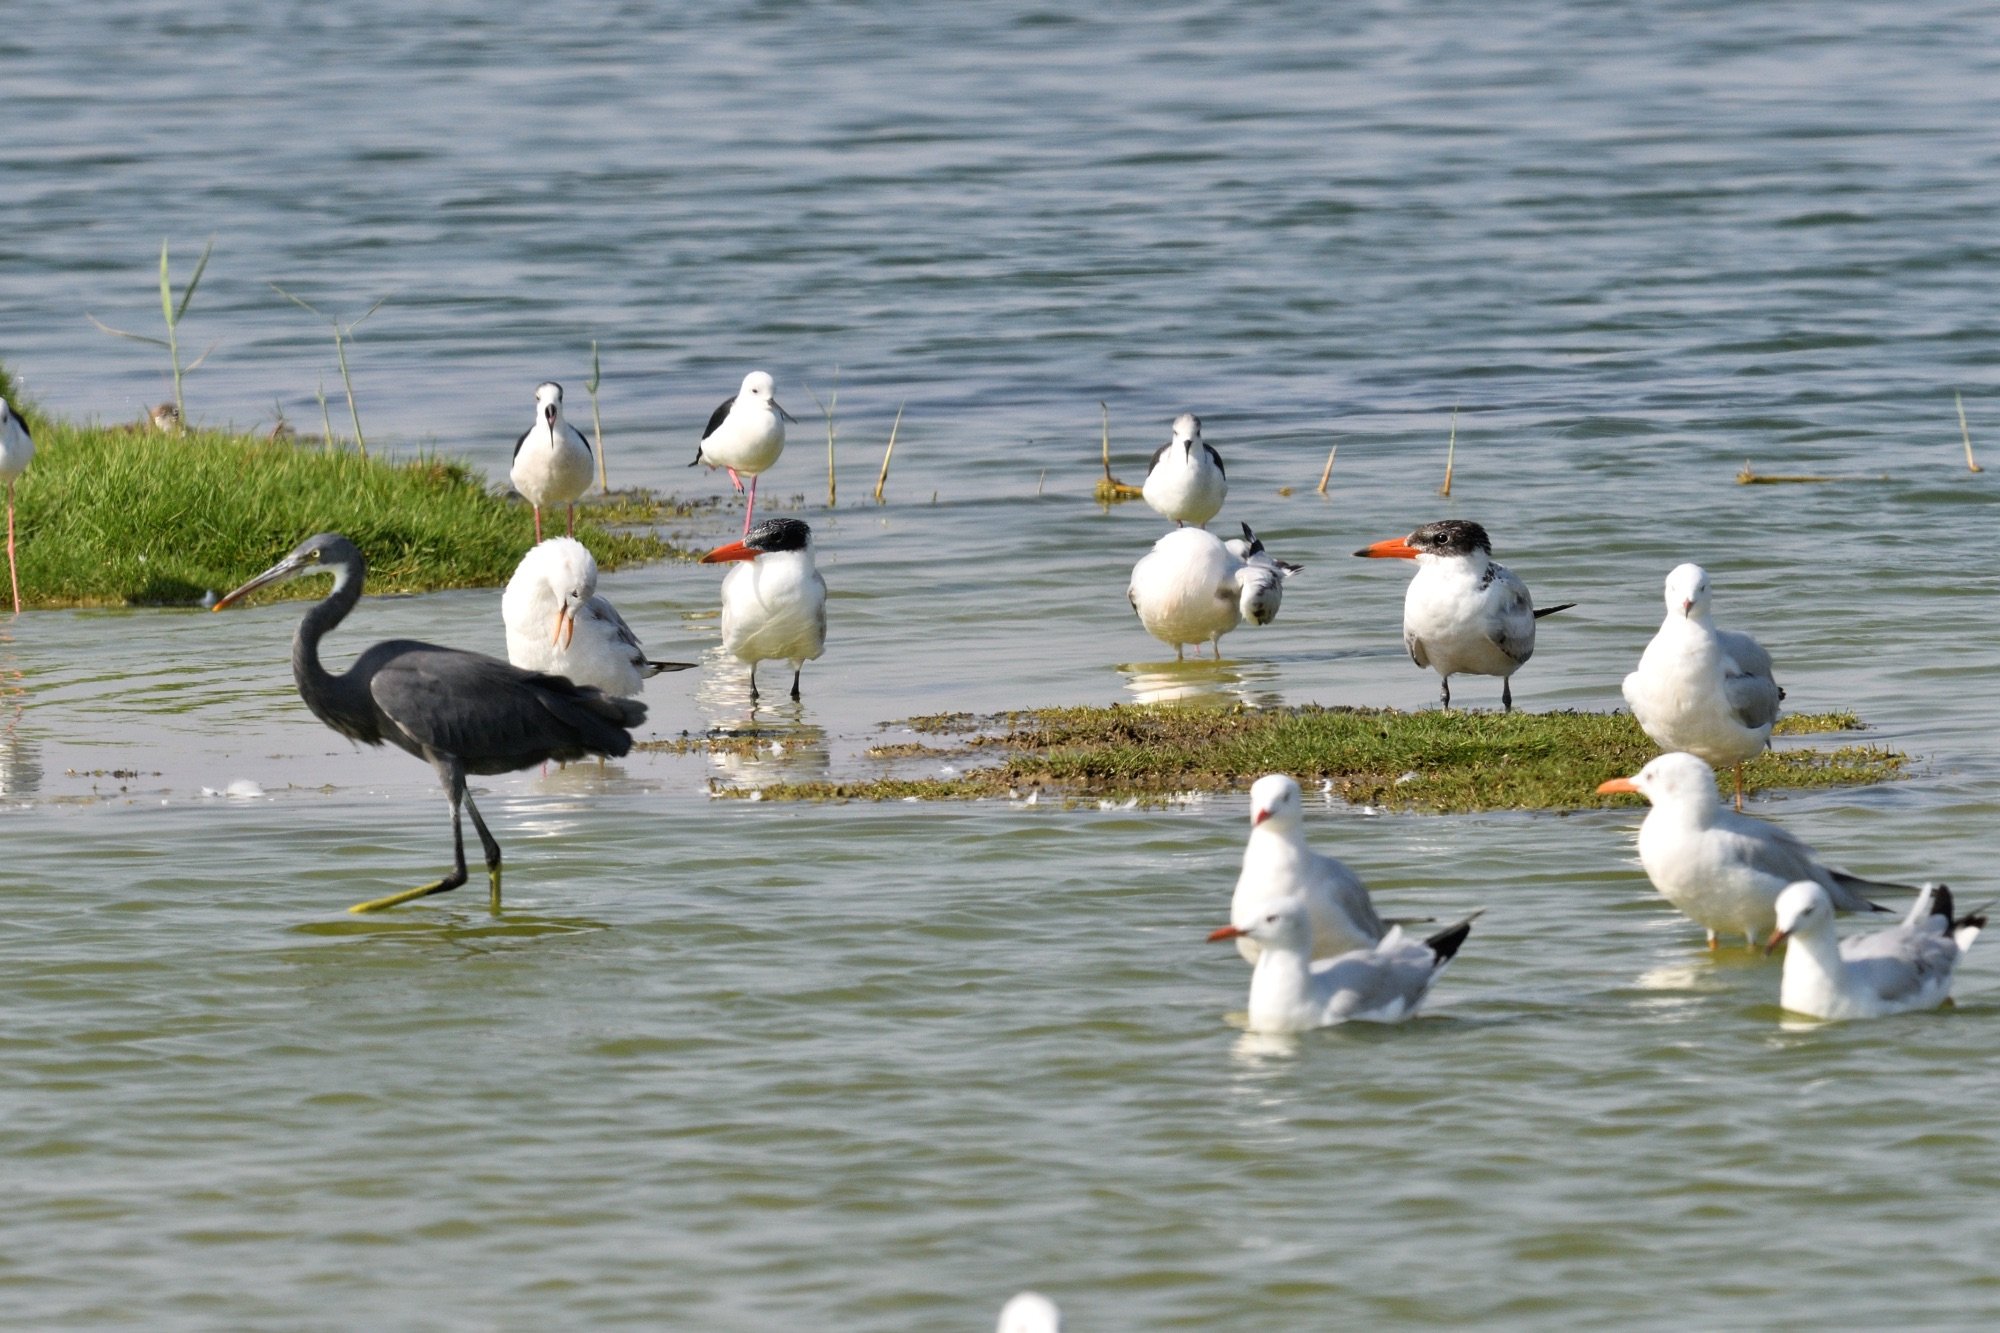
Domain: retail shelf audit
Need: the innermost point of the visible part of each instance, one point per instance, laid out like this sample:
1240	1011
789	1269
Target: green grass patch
112	516
1430	761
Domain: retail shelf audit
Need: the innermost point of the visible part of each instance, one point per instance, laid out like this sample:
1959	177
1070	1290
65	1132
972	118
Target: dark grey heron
461	712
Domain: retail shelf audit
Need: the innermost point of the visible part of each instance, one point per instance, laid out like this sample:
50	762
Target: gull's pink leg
12	573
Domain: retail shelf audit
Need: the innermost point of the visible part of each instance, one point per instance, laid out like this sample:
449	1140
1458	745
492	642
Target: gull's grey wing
599	609
1747	682
1511	619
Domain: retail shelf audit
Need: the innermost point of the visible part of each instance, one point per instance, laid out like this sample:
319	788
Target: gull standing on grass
1722	869
745	435
1893	971
1704	690
1278	866
1185	481
774	603
1289	992
1465	612
17	450
552	460
557	623
1191	588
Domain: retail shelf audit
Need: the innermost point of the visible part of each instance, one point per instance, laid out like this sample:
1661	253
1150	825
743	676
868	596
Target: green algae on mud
119	516
1443	762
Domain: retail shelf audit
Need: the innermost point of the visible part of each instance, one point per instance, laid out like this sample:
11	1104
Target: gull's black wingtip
1551	610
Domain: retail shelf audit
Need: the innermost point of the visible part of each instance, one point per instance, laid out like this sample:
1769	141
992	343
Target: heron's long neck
326	694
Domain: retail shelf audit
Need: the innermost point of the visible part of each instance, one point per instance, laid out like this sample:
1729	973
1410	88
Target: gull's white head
1687	592
1284	925
1030	1312
548	402
1274	800
1803	909
1187	429
1670	779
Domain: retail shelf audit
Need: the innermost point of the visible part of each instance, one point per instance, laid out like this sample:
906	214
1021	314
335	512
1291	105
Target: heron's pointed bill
1225	933
733	551
288	567
1395	548
1616	785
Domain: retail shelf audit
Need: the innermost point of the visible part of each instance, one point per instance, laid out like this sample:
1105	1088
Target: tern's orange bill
733	551
1615	785
1393	549
1226	933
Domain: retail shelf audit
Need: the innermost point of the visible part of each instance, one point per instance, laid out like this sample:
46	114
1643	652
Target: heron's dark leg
492	848
453	774
1506	695
795	679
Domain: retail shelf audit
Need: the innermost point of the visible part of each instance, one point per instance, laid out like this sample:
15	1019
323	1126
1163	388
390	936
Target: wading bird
1893	971
17	450
1277	864
1192	588
552	460
460	712
1289	992
1725	870
1185	481
1465	613
774	603
745	435
1704	690
557	623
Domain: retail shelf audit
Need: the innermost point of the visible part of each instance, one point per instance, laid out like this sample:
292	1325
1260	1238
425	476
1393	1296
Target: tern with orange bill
1465	613
558	623
1704	690
1905	968
462	713
1721	869
1289	992
774	600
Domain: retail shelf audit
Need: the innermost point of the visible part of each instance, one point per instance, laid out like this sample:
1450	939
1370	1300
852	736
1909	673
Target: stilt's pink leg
735	480
751	507
538	525
570	530
13	574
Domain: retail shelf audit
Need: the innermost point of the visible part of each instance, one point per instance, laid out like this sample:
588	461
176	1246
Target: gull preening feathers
745	435
557	622
1906	967
1192	588
1185	481
1722	869
552	460
1465	613
1704	690
1278	866
1289	992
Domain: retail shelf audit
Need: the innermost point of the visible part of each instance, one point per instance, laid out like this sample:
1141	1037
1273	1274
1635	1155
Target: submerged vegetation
1430	761
118	515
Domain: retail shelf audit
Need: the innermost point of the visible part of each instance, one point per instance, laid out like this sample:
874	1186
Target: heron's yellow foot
407	895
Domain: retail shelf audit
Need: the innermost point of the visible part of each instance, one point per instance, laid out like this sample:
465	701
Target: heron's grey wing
494	717
1747	683
1512	623
1217	460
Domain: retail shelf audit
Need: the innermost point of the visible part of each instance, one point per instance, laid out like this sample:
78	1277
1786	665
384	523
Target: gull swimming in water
1278	866
1704	690
1722	869
1289	992
1906	967
1465	613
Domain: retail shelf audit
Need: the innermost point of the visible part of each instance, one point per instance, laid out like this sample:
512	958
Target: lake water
735	1066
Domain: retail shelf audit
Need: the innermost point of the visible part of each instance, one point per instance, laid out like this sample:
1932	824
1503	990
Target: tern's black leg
753	682
1447	691
1506	695
795	680
453	774
492	849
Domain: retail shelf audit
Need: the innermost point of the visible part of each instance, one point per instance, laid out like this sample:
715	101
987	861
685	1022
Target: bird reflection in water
1252	683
